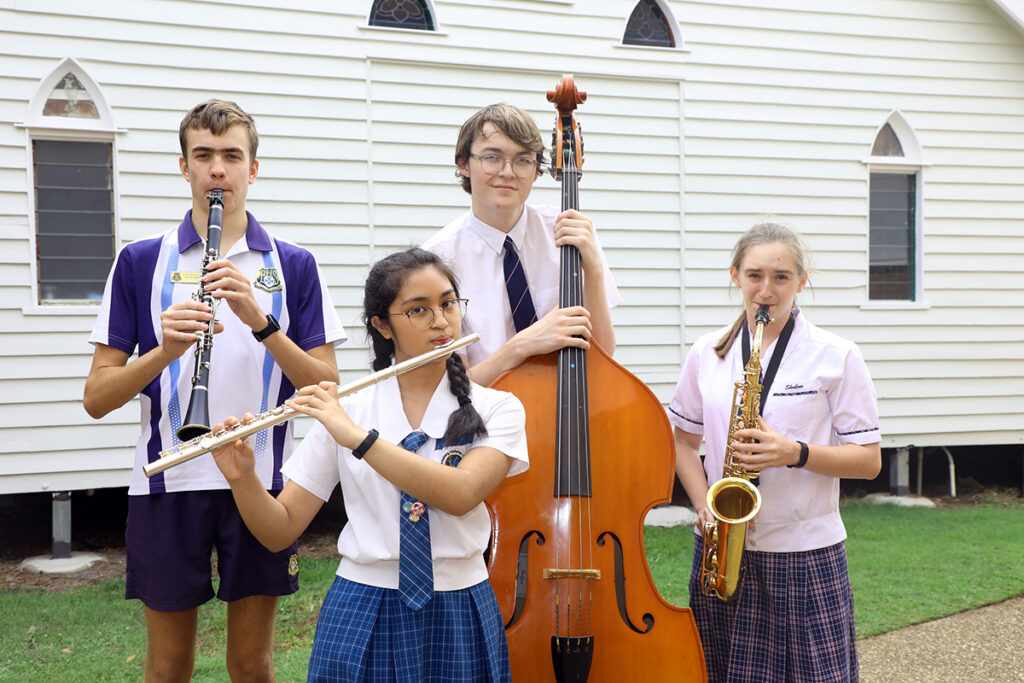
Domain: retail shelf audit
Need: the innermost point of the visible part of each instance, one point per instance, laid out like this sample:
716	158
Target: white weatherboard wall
771	108
783	100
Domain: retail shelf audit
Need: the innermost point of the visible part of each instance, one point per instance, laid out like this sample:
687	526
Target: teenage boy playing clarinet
506	252
276	330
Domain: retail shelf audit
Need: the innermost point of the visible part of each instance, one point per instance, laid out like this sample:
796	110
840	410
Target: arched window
70	137
414	14
894	223
650	23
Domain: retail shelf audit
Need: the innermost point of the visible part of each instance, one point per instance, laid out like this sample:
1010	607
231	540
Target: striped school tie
523	313
415	567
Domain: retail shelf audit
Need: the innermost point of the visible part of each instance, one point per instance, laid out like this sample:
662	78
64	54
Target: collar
435	421
495	238
256	237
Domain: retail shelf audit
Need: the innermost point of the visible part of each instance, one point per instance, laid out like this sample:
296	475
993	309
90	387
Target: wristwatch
271	328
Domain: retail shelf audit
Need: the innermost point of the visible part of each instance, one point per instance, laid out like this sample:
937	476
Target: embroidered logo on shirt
267	280
452	458
185	277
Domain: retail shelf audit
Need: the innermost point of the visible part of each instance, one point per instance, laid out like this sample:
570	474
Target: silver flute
210	441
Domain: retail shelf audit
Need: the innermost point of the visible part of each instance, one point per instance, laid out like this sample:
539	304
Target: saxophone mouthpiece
762	315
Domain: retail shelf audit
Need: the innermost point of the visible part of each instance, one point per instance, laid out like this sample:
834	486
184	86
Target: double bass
567	556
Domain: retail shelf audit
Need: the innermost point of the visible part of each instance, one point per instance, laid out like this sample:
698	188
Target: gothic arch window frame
69	129
670	19
912	162
430	8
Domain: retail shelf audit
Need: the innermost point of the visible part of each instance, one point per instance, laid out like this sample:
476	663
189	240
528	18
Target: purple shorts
169	540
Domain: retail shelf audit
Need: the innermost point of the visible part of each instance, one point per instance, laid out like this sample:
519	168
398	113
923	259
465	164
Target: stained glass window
402	14
887	144
648	25
70	98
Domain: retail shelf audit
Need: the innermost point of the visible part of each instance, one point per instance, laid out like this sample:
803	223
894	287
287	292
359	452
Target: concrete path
984	644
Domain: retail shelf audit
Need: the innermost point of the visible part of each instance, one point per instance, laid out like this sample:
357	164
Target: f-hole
620	585
522	565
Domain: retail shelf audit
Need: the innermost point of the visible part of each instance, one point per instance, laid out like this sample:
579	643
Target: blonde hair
514	122
759	235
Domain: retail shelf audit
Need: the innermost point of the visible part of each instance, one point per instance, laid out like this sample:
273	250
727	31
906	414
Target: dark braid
465	420
382	287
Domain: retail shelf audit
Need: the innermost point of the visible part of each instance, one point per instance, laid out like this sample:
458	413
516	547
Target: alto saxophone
733	500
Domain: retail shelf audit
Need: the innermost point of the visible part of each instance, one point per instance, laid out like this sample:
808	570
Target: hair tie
464	401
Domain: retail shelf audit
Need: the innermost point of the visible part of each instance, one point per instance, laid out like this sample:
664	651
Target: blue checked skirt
791	622
366	634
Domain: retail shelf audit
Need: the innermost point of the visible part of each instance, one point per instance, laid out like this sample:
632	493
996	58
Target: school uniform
796	578
364	630
148	276
475	250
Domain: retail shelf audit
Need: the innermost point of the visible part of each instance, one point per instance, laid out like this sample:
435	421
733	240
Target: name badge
185	277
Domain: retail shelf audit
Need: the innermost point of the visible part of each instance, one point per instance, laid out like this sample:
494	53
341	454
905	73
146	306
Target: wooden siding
782	103
771	109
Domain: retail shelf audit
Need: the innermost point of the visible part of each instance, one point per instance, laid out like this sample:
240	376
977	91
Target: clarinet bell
197	418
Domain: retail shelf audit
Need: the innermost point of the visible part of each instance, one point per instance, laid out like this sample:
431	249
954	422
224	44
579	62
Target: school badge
267	280
293	565
452	458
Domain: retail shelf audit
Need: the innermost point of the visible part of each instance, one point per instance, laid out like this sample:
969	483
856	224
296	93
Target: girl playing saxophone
792	618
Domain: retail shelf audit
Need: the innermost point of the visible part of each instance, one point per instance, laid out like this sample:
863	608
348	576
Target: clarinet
197	417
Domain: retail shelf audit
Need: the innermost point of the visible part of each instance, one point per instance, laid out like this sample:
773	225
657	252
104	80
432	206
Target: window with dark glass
887	144
402	14
648	25
892	236
74	218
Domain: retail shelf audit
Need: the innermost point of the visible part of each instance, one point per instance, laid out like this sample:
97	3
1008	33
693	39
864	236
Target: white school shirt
475	249
822	394
151	274
369	543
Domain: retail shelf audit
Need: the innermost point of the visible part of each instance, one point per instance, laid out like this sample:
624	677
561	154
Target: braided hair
382	287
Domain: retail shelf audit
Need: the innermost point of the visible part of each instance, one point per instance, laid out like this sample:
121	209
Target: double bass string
576	376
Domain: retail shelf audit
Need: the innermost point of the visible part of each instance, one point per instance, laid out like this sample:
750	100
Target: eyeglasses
493	164
422	317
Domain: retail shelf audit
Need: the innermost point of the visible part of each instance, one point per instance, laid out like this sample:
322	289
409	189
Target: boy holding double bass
506	252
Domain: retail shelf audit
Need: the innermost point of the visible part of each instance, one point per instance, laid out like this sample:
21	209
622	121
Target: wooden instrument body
632	469
567	560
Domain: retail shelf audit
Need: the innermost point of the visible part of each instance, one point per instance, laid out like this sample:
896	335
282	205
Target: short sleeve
116	323
854	403
314	464
313	320
506	431
686	409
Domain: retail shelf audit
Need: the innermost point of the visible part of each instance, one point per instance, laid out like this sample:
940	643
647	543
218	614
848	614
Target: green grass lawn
907	565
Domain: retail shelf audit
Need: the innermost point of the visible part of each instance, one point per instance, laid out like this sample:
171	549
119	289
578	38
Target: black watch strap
361	449
804	450
271	328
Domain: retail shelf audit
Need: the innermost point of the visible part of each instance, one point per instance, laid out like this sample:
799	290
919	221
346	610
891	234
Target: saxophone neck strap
773	365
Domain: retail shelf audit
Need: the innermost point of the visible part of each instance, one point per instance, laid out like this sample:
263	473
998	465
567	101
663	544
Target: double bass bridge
588	574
